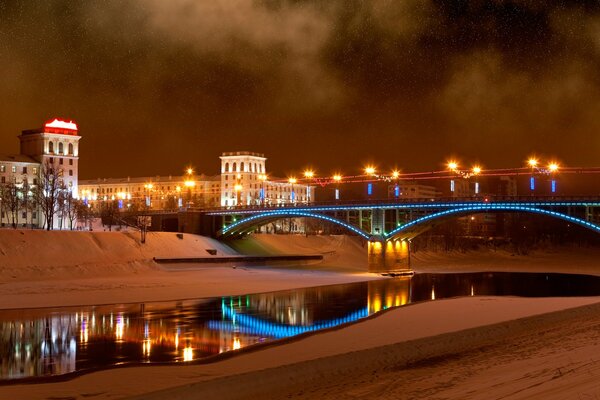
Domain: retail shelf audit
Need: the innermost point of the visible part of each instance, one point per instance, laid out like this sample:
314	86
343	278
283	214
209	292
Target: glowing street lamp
476	171
370	170
532	162
292	181
189	170
452	166
337	178
309	174
238	193
395	174
553	167
262	178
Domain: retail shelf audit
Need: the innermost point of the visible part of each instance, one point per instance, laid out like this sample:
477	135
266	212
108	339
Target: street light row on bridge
370	171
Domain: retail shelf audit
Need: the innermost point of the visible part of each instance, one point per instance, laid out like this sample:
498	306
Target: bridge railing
396	201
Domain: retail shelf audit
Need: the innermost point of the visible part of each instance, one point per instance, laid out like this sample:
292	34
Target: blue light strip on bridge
357	207
292	213
493	207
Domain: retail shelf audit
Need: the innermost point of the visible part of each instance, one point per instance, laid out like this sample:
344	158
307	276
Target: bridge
389	225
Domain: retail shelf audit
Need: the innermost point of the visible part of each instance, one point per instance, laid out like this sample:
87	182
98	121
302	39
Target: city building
244	181
158	192
406	190
55	146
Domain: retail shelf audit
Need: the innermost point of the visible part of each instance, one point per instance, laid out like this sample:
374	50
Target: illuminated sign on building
60	124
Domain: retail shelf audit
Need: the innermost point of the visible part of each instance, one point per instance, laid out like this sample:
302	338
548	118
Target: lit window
14	168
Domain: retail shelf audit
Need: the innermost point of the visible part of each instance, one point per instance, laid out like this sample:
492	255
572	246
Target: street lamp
453	167
292	181
262	178
553	168
476	170
532	163
337	178
395	176
308	174
238	191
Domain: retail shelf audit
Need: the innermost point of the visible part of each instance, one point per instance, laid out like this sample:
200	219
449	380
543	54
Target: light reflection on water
46	342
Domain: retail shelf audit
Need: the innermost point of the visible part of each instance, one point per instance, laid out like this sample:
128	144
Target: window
24	170
242	166
60	148
51	160
2	168
35	181
50	147
227	167
71	148
70	172
3	179
60	161
234	167
35	170
24	214
14	168
34	215
70	161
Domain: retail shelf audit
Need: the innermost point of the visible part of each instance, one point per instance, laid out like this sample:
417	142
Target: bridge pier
386	256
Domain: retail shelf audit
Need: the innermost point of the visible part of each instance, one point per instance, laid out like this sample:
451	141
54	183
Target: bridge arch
249	223
419	225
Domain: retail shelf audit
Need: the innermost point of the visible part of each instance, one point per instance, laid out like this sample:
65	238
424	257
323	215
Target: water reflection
44	342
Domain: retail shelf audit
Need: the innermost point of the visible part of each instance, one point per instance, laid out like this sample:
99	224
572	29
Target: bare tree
69	207
48	192
83	212
11	202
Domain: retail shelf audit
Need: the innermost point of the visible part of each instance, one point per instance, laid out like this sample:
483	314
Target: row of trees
47	198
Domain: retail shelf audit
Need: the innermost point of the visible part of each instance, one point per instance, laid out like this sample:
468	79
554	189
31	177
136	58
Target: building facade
55	146
245	182
158	192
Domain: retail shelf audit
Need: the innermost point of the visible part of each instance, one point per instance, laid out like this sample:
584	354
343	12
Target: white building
245	182
156	192
55	145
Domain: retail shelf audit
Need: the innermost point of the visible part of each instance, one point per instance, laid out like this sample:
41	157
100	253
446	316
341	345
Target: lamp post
453	167
337	178
292	181
475	171
308	174
395	177
238	194
263	194
532	163
370	171
553	169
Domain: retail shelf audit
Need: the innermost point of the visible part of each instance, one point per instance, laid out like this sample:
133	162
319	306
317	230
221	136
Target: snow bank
340	252
35	254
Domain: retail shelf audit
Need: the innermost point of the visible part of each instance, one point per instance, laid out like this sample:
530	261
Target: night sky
156	85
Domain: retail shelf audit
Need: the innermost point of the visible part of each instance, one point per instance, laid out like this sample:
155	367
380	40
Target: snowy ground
442	349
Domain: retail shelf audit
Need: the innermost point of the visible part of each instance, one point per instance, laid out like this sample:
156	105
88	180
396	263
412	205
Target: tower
56	144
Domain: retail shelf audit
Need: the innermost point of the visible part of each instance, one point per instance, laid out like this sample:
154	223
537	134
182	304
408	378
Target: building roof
17	158
242	153
147	179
